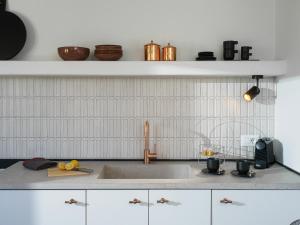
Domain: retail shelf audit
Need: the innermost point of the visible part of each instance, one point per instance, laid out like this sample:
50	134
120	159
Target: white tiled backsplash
102	118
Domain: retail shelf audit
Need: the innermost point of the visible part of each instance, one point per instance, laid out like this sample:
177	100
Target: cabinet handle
71	201
135	201
162	201
226	201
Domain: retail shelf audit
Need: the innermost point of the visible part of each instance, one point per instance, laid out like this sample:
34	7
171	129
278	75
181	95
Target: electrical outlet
249	140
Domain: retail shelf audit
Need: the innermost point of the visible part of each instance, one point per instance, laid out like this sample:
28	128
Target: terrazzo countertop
275	178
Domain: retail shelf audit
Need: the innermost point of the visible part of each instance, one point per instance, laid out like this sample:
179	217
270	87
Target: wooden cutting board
56	172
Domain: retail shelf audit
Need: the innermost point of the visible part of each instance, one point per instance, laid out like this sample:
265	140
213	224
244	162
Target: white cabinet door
41	207
117	207
179	207
250	207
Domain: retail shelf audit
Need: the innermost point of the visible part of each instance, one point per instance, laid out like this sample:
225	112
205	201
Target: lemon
208	152
61	165
69	166
75	163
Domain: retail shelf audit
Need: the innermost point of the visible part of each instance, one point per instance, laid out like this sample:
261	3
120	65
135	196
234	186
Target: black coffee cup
229	50
213	165
245	52
230	44
243	166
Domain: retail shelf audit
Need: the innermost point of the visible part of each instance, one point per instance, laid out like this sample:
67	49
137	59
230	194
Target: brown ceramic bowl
73	53
108	51
108	47
108	56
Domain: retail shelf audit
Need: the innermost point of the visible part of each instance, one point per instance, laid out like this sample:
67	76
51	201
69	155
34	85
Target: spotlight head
251	93
254	91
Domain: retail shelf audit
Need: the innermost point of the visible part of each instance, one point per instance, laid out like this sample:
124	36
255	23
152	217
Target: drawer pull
135	201
71	201
162	201
226	201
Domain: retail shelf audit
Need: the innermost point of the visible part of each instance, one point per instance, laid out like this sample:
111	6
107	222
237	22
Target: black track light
254	91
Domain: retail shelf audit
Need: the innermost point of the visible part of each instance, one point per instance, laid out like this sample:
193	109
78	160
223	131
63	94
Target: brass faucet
148	155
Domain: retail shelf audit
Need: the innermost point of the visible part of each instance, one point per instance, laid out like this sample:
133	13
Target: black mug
245	52
213	165
243	166
229	50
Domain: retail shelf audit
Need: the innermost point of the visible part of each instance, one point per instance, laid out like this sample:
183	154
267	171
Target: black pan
12	33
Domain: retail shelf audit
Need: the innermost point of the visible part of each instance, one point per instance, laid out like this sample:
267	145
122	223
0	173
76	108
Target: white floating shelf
142	68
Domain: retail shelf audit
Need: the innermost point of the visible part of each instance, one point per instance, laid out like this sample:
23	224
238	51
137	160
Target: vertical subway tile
104	117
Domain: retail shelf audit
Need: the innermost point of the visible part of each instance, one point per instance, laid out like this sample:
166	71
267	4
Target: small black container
243	166
213	165
206	54
245	52
229	50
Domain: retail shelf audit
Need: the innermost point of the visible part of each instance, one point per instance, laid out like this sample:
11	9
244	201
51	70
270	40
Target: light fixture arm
257	78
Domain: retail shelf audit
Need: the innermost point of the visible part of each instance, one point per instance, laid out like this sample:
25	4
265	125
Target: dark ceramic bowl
108	56
108	51
73	53
108	47
243	166
213	164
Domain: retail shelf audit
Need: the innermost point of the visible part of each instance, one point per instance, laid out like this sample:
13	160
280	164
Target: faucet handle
149	155
152	155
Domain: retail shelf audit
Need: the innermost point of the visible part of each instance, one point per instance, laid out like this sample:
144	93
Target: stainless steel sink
146	172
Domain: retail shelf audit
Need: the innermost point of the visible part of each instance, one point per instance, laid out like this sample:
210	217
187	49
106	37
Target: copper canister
152	52
169	53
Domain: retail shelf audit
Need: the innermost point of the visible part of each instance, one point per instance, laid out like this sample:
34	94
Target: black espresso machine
264	153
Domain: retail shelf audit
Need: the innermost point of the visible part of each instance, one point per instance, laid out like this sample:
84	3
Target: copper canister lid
169	46
151	44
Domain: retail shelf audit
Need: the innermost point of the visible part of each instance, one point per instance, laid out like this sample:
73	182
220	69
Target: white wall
287	117
103	117
191	25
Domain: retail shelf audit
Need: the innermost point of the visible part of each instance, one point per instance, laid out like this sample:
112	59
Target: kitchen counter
277	178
